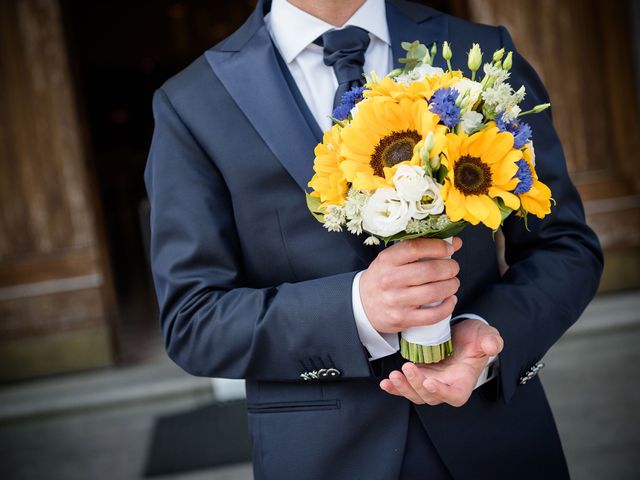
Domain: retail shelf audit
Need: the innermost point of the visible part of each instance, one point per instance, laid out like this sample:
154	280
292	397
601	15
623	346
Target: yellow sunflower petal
509	199
476	206
503	172
502	144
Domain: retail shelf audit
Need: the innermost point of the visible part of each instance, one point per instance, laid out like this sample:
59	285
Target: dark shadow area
206	437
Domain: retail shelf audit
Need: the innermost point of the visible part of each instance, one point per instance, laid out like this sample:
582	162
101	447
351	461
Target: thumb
491	342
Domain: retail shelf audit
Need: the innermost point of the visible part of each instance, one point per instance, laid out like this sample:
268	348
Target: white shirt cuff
377	344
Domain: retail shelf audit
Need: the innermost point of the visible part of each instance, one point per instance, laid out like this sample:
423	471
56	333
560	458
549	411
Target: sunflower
328	183
384	134
387	87
534	195
481	168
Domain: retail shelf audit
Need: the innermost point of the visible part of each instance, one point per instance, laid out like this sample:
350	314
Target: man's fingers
420	273
428	316
427	294
491	343
398	385
415	378
450	394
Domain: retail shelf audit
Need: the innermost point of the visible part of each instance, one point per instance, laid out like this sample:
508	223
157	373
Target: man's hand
397	283
452	380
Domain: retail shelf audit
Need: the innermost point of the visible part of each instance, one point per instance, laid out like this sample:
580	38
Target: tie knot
344	51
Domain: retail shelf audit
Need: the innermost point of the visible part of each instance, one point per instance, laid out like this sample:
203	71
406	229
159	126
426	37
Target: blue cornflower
521	131
352	96
341	112
443	104
525	176
347	102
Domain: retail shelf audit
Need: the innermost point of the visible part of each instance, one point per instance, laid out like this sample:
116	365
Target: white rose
385	213
472	89
410	182
470	121
431	202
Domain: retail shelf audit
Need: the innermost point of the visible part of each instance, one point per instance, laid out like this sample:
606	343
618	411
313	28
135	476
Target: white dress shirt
293	32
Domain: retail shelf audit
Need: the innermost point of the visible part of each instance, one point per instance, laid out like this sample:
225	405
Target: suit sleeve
555	268
213	324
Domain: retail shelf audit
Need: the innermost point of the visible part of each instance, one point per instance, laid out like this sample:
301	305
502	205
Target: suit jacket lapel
256	83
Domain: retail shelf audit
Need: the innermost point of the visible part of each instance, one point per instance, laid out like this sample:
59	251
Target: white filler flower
385	213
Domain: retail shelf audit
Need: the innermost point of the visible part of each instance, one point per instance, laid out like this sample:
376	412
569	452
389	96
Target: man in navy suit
251	286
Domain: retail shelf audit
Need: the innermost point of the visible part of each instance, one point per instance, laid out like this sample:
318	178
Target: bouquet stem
428	343
425	353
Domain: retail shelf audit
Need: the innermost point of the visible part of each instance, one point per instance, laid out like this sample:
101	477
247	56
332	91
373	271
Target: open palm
452	380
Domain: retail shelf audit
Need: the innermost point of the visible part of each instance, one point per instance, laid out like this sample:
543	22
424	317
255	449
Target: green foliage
451	230
417	53
313	204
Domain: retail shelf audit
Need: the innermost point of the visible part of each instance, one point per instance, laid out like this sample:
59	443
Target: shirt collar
293	29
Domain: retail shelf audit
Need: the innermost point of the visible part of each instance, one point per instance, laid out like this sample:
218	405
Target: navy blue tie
344	51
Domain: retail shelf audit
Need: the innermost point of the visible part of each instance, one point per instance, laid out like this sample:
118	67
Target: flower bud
446	51
434	162
429	142
434	50
540	108
498	54
475	58
508	62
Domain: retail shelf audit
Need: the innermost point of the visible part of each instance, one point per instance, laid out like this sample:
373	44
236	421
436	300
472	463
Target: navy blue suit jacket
251	286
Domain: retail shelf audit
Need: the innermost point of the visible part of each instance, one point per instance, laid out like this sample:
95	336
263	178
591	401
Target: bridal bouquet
423	152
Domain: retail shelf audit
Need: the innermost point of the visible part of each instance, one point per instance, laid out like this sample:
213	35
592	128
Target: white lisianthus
472	89
410	182
470	121
385	213
419	73
431	202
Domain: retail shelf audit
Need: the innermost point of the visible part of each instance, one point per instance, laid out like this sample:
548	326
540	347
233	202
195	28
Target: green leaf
442	173
451	230
504	210
420	52
313	204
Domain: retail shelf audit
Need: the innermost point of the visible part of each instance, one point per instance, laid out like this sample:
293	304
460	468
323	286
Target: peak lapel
256	83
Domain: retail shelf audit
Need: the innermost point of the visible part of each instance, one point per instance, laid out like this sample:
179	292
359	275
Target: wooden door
583	50
55	299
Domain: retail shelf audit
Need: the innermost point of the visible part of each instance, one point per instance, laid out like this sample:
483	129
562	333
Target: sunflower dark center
392	149
472	176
